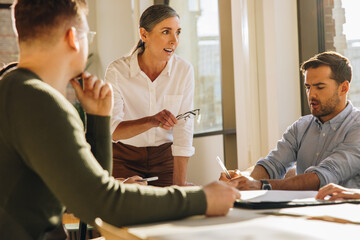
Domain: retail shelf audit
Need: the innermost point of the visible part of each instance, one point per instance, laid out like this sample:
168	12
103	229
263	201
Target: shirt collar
338	119
135	68
168	66
134	64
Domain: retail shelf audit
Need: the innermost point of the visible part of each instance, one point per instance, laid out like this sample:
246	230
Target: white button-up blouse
136	96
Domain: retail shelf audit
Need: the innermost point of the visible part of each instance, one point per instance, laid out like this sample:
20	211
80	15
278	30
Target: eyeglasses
89	34
188	115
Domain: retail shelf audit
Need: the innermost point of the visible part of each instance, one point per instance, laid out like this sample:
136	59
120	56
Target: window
8	42
344	33
336	30
200	44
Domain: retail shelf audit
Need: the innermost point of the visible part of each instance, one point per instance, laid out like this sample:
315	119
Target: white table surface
249	225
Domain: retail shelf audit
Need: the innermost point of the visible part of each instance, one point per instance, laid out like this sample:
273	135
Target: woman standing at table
151	87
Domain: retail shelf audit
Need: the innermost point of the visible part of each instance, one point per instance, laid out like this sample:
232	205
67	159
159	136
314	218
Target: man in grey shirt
324	145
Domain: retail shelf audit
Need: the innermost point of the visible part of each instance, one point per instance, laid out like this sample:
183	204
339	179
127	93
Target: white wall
203	167
280	86
266	71
113	20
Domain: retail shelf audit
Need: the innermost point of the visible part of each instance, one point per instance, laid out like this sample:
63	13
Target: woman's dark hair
340	66
152	16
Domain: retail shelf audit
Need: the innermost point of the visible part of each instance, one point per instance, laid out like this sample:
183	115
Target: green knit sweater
46	164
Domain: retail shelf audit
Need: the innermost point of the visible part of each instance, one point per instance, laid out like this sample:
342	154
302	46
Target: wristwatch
265	185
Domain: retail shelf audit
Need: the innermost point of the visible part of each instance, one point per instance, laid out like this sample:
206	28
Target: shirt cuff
182	151
270	169
97	125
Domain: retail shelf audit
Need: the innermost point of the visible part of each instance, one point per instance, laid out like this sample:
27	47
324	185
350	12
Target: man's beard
326	108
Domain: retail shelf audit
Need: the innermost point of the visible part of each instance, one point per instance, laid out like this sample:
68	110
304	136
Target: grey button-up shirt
331	150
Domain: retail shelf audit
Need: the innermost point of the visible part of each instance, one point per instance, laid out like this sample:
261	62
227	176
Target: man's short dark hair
41	18
341	69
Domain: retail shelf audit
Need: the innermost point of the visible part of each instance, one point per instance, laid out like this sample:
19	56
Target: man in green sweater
45	161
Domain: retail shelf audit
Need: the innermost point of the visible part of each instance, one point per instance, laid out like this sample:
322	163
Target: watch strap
265	185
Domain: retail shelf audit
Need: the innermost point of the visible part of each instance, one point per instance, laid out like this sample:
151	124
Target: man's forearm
306	181
180	169
259	172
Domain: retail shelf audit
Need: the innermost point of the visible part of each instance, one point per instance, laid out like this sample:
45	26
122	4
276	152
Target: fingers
337	192
220	198
172	118
338	196
245	183
95	95
135	179
241	183
345	195
233	174
96	88
327	190
224	177
88	81
91	84
105	91
142	183
165	119
168	118
77	87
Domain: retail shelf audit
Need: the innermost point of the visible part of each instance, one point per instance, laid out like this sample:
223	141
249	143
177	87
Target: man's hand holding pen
241	181
233	174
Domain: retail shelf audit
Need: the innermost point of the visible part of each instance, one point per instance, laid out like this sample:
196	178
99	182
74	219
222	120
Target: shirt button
324	134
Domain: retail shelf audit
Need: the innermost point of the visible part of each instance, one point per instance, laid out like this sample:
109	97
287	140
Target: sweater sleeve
48	135
97	129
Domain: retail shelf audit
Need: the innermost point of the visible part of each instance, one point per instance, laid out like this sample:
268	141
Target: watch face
265	185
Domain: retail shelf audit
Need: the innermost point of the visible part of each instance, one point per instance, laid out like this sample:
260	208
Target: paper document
346	213
264	199
277	196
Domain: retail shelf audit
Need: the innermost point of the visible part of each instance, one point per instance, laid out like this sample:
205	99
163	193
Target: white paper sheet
277	196
346	211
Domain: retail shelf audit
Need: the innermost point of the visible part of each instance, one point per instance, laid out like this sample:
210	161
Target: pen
223	167
149	179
